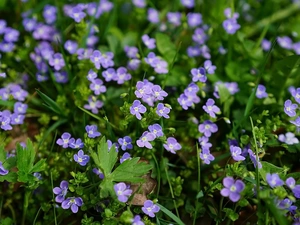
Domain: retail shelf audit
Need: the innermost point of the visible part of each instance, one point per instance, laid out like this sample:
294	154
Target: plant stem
25	205
256	169
198	184
277	16
54	213
171	190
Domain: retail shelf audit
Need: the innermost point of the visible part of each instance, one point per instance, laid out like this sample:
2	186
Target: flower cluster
66	203
231	25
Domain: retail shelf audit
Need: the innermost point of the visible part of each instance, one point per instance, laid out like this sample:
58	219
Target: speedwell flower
232	188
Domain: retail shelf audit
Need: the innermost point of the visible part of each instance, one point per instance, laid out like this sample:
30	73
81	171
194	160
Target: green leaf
39	166
288	63
2	153
49	103
25	157
105	159
200	194
7	221
107	188
277	213
270	168
170	214
165	46
232	215
10	177
225	98
131	171
25	162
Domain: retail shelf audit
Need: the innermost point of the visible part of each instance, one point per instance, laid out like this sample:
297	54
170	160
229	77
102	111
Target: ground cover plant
149	112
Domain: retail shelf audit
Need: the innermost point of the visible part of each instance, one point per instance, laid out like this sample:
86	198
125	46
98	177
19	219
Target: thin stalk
12	213
256	168
198	183
277	16
54	212
158	174
36	216
25	205
172	193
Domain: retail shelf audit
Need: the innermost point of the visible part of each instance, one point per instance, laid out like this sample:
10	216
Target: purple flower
96	58
199	36
72	202
122	191
156	130
131	52
152	16
285	42
122	75
5	123
3	75
137	220
158	93
99	173
17	119
261	91
291	183
236	153
232	188
288	138
161	66
61	191
174	18
203	141
65	140
296	48
184	101
6	47
194	19
77	144
266	45
206	156
92	131
92	75
253	159
11	35
207	128
151	59
2	26
29	24
188	3
125	143
142	89
231	26
18	93
210	68
162	111
210	108
97	86
296	95
19	107
77	14
109	74
125	156
193	51
71	46
94	104
81	158
49	14
139	3
172	145
229	14
199	74
289	108
3	171
150	208
296	122
144	140
232	87
137	108
57	61
61	77
133	64
84	53
274	180
149	42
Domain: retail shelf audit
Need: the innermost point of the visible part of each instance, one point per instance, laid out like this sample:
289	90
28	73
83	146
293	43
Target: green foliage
25	163
129	171
165	46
